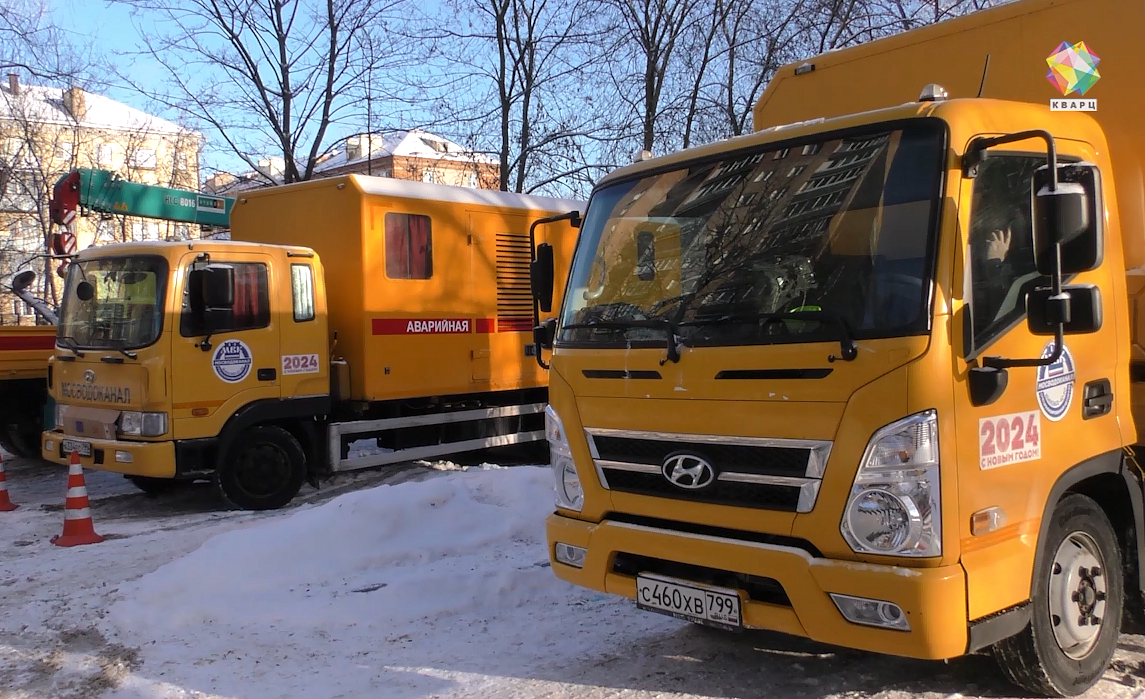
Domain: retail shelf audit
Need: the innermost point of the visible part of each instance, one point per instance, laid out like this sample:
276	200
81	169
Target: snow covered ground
414	581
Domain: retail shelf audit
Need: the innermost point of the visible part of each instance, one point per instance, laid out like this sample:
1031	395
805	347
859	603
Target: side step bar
338	430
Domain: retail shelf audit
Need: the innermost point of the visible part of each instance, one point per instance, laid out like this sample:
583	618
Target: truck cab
870	385
169	356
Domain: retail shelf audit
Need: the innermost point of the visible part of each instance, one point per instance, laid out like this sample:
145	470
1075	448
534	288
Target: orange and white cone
78	527
6	505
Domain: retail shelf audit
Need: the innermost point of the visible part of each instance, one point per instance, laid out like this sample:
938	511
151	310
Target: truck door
236	366
1012	450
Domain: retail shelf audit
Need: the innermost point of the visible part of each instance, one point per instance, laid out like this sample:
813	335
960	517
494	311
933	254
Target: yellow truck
343	309
871	374
25	408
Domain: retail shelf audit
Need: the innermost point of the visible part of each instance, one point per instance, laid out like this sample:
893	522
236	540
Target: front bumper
934	599
152	459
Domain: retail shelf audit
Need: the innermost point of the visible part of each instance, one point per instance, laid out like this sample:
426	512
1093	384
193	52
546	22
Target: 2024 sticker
1009	439
299	364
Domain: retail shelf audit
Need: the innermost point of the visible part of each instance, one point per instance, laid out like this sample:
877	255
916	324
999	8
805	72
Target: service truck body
24	352
350	307
842	447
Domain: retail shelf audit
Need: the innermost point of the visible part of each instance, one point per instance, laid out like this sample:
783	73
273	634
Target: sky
112	28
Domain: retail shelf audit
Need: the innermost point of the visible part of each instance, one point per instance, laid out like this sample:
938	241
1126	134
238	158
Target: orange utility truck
24	352
874	374
343	309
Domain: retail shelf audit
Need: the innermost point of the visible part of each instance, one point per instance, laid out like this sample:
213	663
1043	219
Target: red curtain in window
397	246
420	260
246	294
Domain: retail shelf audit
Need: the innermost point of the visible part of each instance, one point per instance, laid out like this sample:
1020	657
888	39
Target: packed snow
428	579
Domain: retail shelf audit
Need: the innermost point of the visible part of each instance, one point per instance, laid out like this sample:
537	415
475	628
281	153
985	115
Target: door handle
266	374
1097	399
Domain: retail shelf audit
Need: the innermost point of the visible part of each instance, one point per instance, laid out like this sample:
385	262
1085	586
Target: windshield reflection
812	242
113	303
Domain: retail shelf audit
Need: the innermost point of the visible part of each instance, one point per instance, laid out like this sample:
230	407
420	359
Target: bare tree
648	36
269	75
510	83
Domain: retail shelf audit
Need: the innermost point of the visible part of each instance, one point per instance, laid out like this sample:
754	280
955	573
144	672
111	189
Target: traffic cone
6	505
78	527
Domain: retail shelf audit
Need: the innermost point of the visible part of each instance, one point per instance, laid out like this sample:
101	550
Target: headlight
137	424
570	496
895	507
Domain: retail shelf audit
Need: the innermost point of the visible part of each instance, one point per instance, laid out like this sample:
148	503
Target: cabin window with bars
251	309
409	246
302	291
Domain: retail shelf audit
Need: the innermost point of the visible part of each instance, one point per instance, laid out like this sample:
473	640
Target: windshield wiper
126	352
655	323
70	343
848	351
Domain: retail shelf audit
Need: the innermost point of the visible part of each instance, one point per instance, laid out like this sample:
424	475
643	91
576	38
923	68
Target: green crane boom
86	189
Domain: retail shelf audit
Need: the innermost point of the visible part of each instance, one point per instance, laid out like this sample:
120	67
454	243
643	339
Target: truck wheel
21	441
1077	603
263	469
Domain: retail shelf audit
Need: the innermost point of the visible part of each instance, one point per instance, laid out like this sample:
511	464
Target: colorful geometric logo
1073	68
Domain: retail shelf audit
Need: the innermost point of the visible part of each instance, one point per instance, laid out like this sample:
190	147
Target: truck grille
766	474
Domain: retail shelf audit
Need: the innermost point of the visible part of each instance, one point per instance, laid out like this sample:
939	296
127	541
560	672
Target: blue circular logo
1055	384
232	361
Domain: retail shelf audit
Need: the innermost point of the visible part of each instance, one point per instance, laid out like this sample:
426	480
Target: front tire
1077	604
262	470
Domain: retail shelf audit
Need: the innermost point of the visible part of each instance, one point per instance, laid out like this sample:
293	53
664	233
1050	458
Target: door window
251	309
1002	267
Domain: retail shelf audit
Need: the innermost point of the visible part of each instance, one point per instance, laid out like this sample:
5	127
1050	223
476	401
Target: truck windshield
791	244
113	303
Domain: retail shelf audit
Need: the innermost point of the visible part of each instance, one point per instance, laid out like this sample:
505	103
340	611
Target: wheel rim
261	470
1077	594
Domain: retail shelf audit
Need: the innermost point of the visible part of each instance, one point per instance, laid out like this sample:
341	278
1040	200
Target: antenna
982	85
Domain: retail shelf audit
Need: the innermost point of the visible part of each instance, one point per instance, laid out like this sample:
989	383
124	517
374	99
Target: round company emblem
232	360
89	376
1055	384
688	471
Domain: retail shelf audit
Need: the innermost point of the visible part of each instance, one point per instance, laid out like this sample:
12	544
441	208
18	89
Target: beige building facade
44	133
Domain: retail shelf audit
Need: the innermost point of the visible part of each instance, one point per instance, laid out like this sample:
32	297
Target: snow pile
473	542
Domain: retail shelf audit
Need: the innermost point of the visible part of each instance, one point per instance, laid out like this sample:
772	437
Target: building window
471	180
104	154
64	151
10	146
409	246
811	148
251	309
302	291
182	162
143	159
781	154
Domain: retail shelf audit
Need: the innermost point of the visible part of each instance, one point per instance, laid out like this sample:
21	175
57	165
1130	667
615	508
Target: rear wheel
263	469
1077	602
22	441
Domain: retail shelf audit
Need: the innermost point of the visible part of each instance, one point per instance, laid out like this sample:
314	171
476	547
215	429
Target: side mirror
1078	310
544	333
541	277
1067	216
85	291
211	287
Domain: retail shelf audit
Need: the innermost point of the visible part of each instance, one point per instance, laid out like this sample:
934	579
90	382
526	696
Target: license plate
70	445
684	600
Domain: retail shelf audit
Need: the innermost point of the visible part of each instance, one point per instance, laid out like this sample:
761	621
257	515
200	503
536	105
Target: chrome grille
761	473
